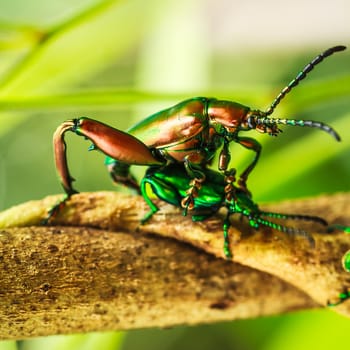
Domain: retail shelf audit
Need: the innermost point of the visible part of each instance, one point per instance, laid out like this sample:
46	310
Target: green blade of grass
81	48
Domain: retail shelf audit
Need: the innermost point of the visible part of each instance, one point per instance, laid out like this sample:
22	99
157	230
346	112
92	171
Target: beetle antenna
272	122
301	75
295	217
286	229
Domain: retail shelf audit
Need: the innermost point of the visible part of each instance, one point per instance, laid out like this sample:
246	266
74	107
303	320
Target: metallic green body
170	184
196	119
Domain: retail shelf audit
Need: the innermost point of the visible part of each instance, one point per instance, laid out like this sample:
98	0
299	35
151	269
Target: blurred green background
119	61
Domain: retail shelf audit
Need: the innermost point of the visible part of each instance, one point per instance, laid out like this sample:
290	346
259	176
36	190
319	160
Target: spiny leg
60	152
197	178
114	143
194	186
230	189
230	175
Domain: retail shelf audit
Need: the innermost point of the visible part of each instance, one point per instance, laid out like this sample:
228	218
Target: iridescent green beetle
170	184
189	133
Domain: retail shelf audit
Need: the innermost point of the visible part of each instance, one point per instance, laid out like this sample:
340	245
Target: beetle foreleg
225	156
255	146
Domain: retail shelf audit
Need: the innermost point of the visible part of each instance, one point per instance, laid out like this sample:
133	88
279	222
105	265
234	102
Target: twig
106	273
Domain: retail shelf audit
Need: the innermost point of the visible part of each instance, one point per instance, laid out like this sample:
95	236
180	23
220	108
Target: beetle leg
120	173
255	146
225	156
230	189
114	143
66	179
230	178
188	202
197	178
226	227
60	152
148	200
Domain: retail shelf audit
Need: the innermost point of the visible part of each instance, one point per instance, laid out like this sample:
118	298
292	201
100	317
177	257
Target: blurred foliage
118	61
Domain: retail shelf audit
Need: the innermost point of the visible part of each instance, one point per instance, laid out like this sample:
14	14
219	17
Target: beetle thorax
226	114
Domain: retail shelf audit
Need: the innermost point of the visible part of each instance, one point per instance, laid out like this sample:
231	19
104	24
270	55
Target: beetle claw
55	210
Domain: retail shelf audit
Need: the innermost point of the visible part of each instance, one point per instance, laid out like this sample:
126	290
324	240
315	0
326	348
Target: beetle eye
251	122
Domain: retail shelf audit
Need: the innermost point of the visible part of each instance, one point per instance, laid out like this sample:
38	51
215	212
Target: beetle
189	133
170	184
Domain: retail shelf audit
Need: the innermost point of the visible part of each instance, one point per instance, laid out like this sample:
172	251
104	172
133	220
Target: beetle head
258	121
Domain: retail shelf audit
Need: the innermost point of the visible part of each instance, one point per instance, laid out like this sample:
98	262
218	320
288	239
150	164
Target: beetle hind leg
188	202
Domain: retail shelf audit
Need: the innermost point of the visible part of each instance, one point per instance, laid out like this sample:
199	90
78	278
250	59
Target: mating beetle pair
187	136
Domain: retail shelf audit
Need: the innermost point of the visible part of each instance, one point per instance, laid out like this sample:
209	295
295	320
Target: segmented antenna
295	217
297	122
286	229
301	75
